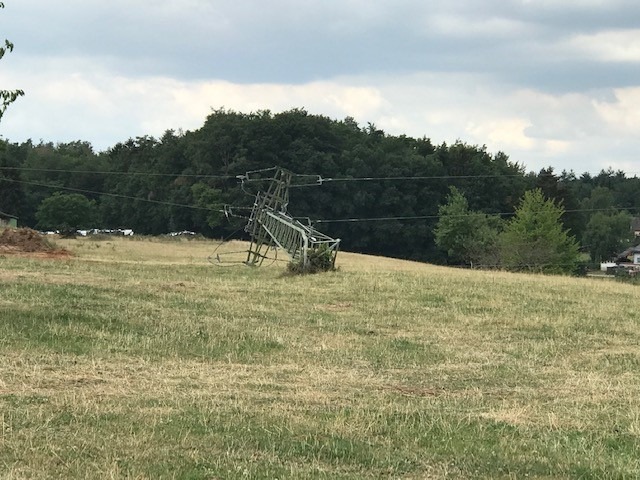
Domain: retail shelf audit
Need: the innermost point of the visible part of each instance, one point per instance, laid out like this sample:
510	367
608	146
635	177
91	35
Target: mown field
139	359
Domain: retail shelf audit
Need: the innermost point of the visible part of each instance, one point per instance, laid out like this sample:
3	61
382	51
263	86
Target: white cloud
104	108
609	46
507	132
534	128
547	82
583	131
454	25
623	113
569	117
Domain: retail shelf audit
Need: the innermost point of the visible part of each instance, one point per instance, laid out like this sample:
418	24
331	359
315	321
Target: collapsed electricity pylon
270	224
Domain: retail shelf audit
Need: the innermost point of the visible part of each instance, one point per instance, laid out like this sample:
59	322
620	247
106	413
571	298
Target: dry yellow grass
141	359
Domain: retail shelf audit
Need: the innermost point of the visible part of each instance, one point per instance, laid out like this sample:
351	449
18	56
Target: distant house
625	262
635	226
7	220
630	256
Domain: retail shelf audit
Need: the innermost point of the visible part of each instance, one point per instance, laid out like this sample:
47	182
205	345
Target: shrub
319	260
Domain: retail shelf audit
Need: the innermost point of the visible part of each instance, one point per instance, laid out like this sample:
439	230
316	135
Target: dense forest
379	193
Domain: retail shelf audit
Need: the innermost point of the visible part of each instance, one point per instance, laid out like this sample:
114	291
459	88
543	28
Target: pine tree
535	239
467	236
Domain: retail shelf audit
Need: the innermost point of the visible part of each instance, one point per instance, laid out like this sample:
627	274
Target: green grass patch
139	359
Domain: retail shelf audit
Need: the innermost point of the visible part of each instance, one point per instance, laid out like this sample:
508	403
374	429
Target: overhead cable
319	179
461	215
118	195
110	172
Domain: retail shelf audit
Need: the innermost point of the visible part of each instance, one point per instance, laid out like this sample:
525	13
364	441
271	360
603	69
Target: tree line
388	196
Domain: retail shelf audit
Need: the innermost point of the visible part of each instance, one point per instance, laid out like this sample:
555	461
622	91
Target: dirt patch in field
24	241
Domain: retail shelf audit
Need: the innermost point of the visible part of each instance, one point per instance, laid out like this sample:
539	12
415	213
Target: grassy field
139	359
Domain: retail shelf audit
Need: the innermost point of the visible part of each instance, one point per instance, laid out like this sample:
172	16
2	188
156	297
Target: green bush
319	260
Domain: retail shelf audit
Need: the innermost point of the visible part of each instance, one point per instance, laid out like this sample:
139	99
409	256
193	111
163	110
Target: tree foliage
467	236
535	239
66	211
182	180
607	234
7	97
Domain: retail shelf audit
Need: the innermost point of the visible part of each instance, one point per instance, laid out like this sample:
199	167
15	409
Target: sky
551	83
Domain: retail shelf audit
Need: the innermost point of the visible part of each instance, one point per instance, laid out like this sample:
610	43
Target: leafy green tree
66	211
208	200
535	238
7	97
12	194
607	234
466	236
601	199
152	185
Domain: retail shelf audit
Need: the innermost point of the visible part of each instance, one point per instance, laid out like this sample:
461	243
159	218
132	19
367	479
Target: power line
322	180
462	215
417	177
228	209
377	219
319	179
128	197
106	172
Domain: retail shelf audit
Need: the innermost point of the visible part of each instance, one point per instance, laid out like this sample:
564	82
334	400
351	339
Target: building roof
628	253
635	224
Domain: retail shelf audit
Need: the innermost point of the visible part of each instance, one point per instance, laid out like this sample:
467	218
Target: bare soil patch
25	241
